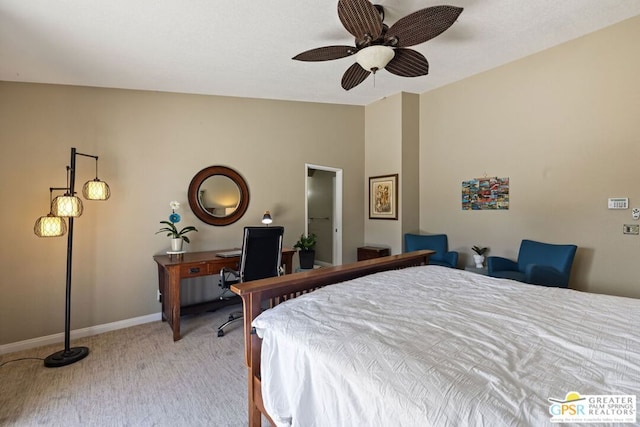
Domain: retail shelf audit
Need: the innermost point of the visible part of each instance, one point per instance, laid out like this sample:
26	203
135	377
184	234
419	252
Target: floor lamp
53	225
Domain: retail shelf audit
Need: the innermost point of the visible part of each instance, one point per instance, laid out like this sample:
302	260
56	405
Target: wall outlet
159	296
631	229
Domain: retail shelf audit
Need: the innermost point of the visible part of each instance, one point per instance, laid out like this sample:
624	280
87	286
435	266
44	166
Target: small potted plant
479	256
307	253
177	237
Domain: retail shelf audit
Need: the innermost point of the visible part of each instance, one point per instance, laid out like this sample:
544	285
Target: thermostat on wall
619	203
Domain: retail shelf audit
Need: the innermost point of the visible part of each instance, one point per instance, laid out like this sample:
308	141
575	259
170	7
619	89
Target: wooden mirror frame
205	216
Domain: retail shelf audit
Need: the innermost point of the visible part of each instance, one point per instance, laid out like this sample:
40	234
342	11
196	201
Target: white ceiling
244	47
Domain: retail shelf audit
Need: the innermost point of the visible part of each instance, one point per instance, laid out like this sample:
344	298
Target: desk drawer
196	270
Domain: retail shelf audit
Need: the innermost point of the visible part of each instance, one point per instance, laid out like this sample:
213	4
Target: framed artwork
383	197
487	193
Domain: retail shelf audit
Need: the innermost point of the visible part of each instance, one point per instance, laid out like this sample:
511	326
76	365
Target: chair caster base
233	318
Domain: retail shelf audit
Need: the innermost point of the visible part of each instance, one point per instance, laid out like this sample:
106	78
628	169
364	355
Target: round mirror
218	195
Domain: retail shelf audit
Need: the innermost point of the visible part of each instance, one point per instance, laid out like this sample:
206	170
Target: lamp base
64	357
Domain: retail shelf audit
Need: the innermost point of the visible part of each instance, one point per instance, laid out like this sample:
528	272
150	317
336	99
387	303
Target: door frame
337	208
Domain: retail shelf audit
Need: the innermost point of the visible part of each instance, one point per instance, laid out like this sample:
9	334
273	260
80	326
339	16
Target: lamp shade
50	226
96	190
374	58
66	206
266	218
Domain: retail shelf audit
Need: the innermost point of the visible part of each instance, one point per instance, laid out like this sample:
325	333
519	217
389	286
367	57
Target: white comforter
433	346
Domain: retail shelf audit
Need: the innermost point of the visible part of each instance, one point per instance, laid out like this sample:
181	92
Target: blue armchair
435	242
538	263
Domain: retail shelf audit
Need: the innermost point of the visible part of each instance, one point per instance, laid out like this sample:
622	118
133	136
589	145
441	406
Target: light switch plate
631	229
618	203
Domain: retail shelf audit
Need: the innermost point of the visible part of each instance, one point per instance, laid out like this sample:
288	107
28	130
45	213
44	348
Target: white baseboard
78	333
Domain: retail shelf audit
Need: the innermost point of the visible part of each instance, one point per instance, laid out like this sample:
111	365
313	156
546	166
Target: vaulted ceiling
244	47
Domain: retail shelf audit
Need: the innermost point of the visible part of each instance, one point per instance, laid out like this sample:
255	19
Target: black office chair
261	257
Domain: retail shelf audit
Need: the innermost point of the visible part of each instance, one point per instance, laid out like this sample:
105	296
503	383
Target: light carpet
134	377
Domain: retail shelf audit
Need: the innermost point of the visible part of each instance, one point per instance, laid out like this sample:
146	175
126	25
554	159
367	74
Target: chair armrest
497	263
224	271
452	258
545	276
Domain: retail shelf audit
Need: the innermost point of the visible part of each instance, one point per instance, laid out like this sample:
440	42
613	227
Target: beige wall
383	156
392	145
410	197
150	146
563	125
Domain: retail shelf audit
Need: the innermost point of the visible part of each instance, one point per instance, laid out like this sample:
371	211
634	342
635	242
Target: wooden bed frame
272	291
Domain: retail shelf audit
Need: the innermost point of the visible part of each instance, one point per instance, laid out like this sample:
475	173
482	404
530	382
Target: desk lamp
266	218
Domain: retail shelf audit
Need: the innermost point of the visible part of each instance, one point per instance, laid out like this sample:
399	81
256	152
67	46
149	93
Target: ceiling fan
379	46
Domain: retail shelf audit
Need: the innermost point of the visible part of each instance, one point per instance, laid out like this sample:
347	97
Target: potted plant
479	256
307	253
177	237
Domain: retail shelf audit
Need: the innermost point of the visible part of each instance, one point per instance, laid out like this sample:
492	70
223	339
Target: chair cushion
559	257
436	242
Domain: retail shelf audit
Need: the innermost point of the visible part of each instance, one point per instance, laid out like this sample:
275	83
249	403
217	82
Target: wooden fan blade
354	76
360	18
423	25
408	63
326	53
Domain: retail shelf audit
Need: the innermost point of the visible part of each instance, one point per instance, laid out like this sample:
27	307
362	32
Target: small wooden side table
370	252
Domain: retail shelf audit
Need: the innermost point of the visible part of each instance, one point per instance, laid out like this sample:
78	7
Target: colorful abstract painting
488	193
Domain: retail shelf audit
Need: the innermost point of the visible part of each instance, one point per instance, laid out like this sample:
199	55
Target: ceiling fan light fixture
378	45
374	58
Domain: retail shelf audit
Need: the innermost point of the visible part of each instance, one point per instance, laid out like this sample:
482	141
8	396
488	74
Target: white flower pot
479	259
176	245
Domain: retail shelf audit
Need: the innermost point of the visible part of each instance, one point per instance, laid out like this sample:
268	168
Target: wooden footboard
273	291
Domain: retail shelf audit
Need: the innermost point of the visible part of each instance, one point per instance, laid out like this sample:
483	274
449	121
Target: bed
396	342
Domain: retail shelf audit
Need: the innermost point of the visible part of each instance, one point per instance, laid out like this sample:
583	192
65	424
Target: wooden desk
173	268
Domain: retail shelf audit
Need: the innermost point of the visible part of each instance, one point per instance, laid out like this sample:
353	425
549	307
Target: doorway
323	212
